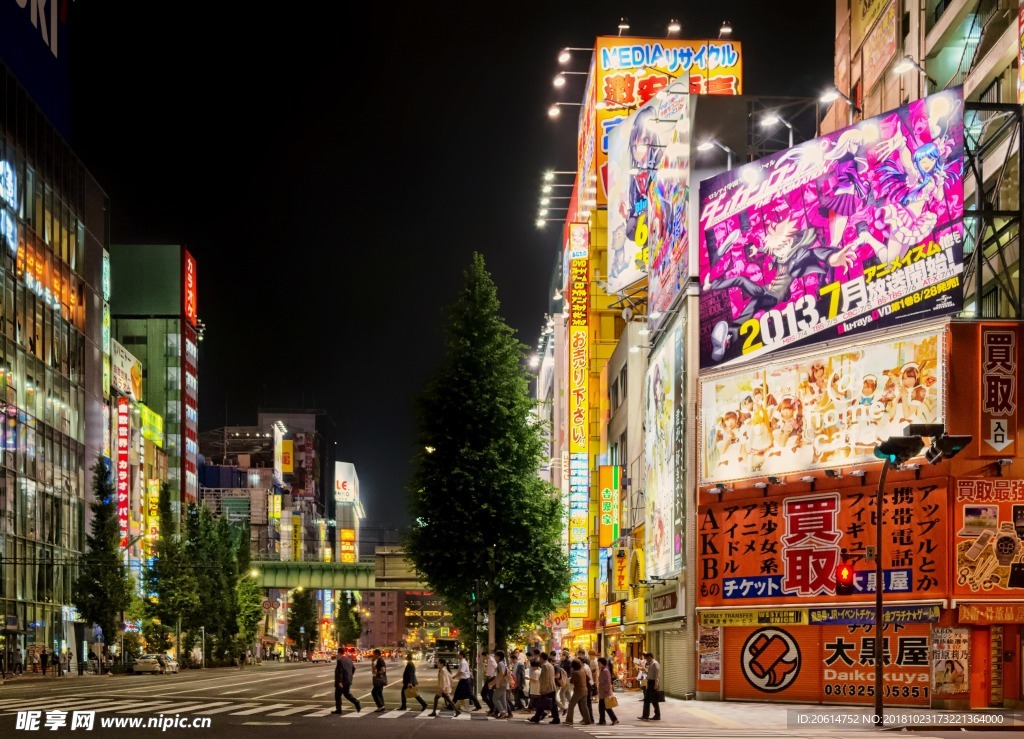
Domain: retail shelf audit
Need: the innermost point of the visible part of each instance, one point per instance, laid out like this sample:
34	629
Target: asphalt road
294	699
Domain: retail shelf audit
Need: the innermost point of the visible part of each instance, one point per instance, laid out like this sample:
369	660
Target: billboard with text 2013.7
858	230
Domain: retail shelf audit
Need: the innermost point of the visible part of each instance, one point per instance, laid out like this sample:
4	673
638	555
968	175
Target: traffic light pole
879	587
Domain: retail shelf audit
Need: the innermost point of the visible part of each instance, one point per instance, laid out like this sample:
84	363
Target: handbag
611	702
659	696
412	691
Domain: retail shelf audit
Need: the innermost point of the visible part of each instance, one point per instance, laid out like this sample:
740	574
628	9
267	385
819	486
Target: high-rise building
53	228
153	316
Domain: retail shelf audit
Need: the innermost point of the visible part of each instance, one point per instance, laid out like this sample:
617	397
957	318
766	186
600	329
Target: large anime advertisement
824	410
661	387
648	168
852	232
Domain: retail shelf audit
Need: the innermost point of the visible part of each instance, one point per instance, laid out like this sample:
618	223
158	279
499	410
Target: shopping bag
611	701
412	691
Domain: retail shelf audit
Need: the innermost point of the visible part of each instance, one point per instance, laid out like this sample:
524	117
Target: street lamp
833	94
202	658
564	56
554	111
770	119
907	63
897	451
709	144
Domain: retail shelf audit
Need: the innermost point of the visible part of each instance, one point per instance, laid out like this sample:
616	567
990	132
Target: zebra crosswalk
669	731
222	708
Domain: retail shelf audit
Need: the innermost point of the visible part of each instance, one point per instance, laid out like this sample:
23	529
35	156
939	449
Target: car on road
319	657
170	664
148	663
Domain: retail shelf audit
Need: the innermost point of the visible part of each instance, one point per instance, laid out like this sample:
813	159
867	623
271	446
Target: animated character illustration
792	255
645	152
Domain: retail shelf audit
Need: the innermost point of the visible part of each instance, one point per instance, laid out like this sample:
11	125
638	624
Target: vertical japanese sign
660	397
122	468
620	583
709	653
951	650
152	515
579	421
188	296
856	231
628	72
287	456
784	550
190	459
998	390
609	480
348	546
1020	54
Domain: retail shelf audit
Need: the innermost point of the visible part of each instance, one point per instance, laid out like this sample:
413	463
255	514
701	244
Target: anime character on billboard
792	253
851	189
645	152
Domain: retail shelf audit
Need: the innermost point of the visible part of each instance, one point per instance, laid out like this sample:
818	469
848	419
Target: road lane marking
45	703
328	712
260	709
232	692
425	713
266	723
185	707
287	690
290	711
394	714
223	709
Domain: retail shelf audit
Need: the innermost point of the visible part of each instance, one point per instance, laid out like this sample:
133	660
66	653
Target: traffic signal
844	578
898	450
945	447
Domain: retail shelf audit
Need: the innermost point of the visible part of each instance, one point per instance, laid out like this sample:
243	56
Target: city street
295	698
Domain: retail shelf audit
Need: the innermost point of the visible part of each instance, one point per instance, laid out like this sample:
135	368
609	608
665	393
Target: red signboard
998	390
122	469
189	290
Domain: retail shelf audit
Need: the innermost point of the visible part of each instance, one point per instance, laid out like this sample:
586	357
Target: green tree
475	474
104	587
248	596
347	626
172	583
302	619
210	546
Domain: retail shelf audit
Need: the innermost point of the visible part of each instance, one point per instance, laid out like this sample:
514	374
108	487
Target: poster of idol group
858	230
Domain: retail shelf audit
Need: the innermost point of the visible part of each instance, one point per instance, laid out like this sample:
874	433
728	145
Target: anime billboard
852	232
661	386
648	168
824	410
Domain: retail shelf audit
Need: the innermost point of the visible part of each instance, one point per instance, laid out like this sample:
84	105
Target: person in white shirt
487	692
464	687
444	688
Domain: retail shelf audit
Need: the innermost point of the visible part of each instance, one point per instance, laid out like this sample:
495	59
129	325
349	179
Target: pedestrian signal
844	578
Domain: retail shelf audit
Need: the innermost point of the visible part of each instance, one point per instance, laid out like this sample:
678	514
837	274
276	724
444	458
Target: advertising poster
660	393
880	47
627	72
820	411
988	536
856	231
827	664
648	166
951	651
709	652
784	550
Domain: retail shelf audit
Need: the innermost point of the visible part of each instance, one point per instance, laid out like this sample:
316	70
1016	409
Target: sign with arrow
999	347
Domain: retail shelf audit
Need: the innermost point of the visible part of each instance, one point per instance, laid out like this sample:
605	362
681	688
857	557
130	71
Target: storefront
668	641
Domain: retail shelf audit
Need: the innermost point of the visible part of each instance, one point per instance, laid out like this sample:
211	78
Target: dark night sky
332	175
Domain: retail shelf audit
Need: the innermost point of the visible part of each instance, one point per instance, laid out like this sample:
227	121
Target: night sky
332	175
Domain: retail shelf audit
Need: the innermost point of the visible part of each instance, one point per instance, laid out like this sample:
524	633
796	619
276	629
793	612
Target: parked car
170	664
148	663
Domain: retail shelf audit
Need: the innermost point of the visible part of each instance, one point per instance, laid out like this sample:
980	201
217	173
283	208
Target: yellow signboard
287	452
784	616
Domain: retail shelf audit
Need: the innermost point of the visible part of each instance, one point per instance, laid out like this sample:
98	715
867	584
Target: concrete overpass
387	569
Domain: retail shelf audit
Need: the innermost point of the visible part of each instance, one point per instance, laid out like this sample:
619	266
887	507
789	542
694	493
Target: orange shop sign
784	550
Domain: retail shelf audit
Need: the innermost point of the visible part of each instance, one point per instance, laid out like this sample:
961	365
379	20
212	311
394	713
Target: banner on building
579	423
122	468
988	521
951	653
126	372
784	551
661	398
609	477
346	483
998	392
856	231
709	653
824	410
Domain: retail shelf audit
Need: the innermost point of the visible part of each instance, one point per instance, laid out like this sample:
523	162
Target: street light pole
879	586
202	658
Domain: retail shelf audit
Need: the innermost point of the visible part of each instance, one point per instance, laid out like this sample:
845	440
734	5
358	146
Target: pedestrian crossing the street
669	731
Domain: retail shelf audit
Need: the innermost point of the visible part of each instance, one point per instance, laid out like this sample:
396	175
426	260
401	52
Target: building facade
53	228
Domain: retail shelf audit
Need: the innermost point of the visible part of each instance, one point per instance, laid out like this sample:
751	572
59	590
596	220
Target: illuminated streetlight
770	119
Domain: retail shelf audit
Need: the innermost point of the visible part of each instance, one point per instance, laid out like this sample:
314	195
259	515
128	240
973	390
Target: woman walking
409	681
500	691
604	692
579	695
444	688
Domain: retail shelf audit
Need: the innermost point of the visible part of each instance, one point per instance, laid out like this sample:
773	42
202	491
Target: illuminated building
53	230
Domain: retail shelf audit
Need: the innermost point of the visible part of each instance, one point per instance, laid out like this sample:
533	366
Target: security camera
834	474
627	314
808	478
1004	462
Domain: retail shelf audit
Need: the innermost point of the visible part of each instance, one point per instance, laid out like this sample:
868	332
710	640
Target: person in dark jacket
343	672
408	681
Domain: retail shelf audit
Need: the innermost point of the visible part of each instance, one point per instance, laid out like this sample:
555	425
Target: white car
320	657
148	663
170	664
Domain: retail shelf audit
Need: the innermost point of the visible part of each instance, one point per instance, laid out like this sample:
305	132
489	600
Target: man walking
44	660
343	672
547	689
379	672
487	691
653	675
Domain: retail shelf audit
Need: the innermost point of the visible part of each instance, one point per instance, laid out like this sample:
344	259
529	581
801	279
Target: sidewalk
39	677
759	718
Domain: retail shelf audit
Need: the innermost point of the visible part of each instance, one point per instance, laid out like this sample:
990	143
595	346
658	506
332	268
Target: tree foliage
484	523
302	614
347	626
211	546
172	584
103	589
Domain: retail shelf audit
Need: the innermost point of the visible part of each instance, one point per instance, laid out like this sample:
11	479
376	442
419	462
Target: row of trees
486	529
199	579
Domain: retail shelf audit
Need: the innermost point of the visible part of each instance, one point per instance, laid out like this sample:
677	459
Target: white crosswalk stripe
397	713
664	731
225	709
58	705
260	709
298	709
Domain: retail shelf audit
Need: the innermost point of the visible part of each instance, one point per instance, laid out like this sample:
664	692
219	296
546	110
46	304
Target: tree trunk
491	646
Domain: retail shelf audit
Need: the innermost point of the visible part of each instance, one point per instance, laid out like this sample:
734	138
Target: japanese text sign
579	435
189	290
779	550
122	467
609	477
988	519
852	232
999	347
819	411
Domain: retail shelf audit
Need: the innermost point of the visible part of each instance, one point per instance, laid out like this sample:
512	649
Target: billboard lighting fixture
907	63
857	473
725	30
557	296
673	26
773	480
623	25
559	80
761	485
564	55
709	144
550	174
554	111
770	119
717	488
809	480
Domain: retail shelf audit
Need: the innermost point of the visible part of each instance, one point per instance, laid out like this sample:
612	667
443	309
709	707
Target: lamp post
709	144
830	96
772	118
897	451
202	658
906	64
